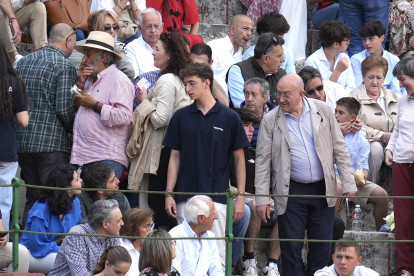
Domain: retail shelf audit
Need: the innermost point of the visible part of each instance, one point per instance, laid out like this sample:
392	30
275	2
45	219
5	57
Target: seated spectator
379	108
201	53
256	93
114	261
347	110
373	34
137	223
330	59
6	253
15	15
346	261
274	22
157	255
127	12
229	50
55	211
401	23
105	21
325	10
266	64
100	176
197	257
79	255
139	52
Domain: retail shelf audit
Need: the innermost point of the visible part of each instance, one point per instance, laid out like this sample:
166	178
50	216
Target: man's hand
342	65
17	34
85	99
238	208
345	127
170	207
385	138
356	126
263	212
349	194
388	158
83	73
3	241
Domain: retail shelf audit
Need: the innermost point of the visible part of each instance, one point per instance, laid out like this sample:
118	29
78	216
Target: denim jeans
7	172
331	12
357	12
239	231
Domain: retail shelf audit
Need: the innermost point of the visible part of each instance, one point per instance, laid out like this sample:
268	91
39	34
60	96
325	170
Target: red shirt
324	3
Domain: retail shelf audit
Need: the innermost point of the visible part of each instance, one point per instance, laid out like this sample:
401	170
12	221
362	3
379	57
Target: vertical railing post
229	232
16	227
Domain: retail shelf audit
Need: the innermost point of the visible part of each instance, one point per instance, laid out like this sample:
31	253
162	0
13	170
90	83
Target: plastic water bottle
357	219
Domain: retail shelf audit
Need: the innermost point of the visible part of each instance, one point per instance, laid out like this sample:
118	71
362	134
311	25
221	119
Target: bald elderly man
229	50
301	163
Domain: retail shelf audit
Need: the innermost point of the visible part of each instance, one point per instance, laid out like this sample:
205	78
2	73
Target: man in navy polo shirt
201	137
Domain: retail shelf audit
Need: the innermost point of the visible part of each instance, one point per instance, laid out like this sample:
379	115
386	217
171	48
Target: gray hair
101	210
264	86
308	73
196	206
109	57
147	11
404	66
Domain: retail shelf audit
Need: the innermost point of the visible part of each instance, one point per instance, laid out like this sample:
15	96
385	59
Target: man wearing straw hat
100	131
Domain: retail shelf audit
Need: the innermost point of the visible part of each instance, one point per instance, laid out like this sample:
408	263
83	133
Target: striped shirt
48	76
151	77
79	255
305	165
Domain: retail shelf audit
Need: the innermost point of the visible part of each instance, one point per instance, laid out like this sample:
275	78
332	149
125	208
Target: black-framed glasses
108	27
74	33
274	39
318	88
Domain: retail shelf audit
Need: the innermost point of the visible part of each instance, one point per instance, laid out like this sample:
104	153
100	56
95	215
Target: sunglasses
108	27
274	39
310	92
74	33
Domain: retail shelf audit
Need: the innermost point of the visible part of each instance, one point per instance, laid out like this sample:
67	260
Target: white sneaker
248	267
405	273
16	60
271	270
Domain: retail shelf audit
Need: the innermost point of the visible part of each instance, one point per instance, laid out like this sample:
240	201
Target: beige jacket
372	114
166	97
273	154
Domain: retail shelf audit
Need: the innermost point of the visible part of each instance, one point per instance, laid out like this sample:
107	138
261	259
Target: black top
205	143
250	157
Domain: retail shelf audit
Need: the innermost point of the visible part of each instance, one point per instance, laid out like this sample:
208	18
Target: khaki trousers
6	258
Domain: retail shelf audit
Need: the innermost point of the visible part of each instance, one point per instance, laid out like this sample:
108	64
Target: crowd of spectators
142	103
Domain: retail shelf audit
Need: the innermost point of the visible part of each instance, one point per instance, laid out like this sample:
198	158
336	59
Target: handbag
75	13
127	24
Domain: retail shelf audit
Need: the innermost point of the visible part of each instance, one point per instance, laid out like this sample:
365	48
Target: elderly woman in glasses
137	223
105	21
379	108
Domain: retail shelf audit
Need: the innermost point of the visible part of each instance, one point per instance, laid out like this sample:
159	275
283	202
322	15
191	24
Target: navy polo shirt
205	143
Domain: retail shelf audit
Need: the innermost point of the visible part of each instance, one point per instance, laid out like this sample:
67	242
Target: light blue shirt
390	81
235	85
305	164
288	65
359	149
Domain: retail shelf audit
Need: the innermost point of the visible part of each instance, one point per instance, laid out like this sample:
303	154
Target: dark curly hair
95	175
174	45
60	203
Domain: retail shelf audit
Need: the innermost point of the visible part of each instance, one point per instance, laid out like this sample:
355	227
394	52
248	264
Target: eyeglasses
283	95
318	88
74	32
174	242
274	39
149	227
190	83
108	27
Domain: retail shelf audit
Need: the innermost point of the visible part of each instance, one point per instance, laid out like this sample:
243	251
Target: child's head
347	110
248	119
332	32
373	34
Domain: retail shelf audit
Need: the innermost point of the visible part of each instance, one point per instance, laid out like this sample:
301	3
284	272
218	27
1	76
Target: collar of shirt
190	231
214	109
383	53
306	109
103	73
128	245
144	44
322	56
230	48
95	239
54	49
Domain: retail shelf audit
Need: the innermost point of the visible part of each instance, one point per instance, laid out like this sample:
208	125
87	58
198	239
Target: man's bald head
238	19
240	31
292	79
60	32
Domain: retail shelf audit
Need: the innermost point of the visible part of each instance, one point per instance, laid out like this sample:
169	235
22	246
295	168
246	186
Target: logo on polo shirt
218	128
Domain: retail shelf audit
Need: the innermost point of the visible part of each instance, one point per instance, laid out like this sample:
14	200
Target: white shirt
319	61
134	269
401	142
360	270
223	55
333	92
222	83
139	53
195	257
109	5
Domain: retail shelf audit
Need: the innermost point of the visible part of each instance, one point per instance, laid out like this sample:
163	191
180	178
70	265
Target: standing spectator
139	52
229	50
331	60
114	261
274	22
399	156
56	211
214	132
325	10
195	257
48	76
101	128
256	8
373	34
14	103
301	166
266	64
16	15
357	12
79	255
